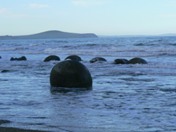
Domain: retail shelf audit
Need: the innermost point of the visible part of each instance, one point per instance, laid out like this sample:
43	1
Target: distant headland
52	34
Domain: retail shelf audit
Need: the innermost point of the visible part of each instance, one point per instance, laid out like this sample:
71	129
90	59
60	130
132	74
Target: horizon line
98	34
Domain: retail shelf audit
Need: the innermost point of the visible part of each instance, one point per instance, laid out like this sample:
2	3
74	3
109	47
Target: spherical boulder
98	59
74	58
137	60
52	58
22	58
120	61
70	74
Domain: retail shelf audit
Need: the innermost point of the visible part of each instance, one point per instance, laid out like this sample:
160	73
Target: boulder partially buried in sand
52	58
137	60
70	74
74	58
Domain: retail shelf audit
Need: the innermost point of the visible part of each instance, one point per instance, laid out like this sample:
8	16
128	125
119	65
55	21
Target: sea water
129	97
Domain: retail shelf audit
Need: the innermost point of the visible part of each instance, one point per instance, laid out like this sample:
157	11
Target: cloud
7	13
171	4
3	10
89	2
171	15
38	6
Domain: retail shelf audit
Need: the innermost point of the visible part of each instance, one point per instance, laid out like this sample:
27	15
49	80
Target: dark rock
4	71
70	74
52	58
0	57
23	58
137	60
97	59
4	121
74	58
120	61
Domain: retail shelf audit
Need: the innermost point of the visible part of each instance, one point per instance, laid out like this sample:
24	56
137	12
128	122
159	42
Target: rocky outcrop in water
23	58
120	61
74	58
52	58
4	71
98	59
137	60
70	74
4	121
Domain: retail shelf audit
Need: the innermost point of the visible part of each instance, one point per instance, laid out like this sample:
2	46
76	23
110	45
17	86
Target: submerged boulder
70	74
52	58
22	58
120	61
4	71
4	122
73	57
98	59
137	60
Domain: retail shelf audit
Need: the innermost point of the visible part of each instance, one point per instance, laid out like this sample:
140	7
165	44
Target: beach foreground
10	129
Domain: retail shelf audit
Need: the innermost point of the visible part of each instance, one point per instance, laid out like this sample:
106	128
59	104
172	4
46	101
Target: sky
102	17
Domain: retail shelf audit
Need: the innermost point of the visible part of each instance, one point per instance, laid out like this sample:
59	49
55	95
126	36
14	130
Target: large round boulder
74	58
137	60
70	74
98	59
120	61
52	58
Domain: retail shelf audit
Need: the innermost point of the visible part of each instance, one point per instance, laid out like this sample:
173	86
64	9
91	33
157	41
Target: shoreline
12	129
